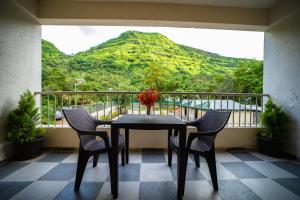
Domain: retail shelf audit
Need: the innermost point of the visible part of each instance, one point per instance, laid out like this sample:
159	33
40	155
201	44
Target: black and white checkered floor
241	174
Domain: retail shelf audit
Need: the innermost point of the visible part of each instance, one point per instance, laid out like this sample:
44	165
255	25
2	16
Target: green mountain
51	55
136	60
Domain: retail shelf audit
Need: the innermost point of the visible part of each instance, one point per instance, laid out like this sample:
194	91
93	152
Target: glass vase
148	111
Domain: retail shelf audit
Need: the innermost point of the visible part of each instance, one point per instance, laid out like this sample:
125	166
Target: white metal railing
245	107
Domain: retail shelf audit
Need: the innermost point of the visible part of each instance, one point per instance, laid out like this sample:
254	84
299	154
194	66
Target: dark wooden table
155	122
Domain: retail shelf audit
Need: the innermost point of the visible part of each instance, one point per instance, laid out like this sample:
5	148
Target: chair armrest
102	122
195	123
195	135
101	134
96	133
204	133
191	123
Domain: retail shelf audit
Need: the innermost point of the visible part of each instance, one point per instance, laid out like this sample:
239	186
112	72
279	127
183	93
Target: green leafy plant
23	120
275	122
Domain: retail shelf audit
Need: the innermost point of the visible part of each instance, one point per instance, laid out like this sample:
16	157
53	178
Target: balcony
242	173
147	176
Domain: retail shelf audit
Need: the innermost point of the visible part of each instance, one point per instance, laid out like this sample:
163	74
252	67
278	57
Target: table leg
169	148
181	170
127	144
114	161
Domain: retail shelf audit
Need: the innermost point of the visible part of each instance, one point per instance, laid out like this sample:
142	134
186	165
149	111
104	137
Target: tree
57	79
248	77
157	77
154	77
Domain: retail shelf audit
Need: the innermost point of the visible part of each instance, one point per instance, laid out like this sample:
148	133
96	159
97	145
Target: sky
239	44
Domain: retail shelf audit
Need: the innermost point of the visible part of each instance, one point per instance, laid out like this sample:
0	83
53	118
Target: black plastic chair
201	143
85	126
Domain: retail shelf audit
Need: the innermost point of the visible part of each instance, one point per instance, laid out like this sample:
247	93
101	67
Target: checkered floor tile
241	175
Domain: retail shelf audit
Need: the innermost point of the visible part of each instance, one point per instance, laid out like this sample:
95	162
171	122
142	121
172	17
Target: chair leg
197	160
95	161
123	156
211	162
81	165
110	166
169	149
127	145
185	165
170	156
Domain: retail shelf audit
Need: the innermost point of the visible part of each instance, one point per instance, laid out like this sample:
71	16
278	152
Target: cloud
87	30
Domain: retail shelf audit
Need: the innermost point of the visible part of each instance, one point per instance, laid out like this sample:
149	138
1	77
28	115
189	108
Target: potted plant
22	128
275	124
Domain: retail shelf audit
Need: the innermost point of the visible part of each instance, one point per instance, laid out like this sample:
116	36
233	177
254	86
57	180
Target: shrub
275	122
23	120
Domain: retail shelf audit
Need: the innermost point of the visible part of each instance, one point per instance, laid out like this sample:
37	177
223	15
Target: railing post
239	111
132	103
48	100
181	107
256	116
245	110
174	105
111	111
54	110
62	105
233	111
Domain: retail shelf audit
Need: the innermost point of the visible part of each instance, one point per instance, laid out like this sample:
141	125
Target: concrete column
282	72
20	61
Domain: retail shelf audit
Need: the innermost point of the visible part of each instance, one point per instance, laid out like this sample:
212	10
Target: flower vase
148	111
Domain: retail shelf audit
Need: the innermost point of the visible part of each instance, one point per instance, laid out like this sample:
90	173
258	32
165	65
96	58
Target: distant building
242	114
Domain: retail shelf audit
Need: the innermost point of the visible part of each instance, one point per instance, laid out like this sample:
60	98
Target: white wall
282	72
20	61
227	138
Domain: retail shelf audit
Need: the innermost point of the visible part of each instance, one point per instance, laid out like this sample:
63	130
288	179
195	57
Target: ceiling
260	4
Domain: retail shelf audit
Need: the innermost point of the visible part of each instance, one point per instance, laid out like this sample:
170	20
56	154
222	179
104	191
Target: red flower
148	97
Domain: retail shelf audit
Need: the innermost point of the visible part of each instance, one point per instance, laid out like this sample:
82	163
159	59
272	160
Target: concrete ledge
228	138
151	14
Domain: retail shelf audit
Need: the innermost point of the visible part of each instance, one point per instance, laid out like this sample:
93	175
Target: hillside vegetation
135	61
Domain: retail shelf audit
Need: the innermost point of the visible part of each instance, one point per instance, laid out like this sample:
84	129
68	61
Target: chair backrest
81	120
213	121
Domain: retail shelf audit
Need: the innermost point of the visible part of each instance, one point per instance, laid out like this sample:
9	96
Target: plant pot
269	147
28	150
